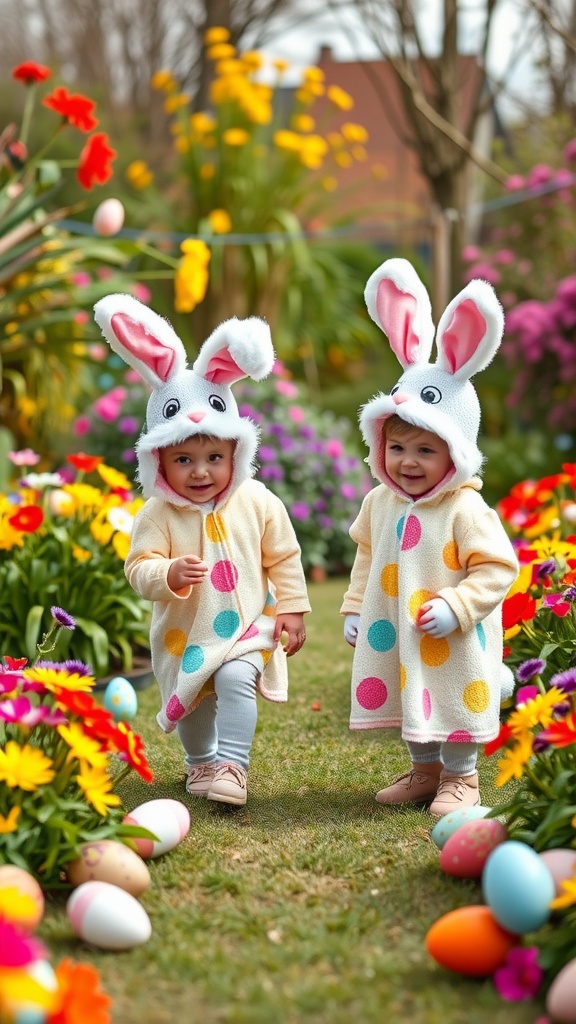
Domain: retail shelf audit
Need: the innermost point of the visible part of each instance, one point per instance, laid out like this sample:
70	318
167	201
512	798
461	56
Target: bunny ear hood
432	396
188	401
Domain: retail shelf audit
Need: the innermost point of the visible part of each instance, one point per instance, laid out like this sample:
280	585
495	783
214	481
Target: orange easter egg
469	941
21	898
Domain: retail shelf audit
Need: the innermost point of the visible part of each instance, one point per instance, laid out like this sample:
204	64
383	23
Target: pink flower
141	292
570	151
107	408
505	257
471	253
296	414
24	457
81	279
132	377
17	948
81	426
286	388
81	317
334	448
515	183
520	977
525	693
98	352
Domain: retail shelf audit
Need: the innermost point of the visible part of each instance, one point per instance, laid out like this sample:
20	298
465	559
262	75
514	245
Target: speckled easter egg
107	916
465	852
469	941
561	864
447	825
561	997
120	699
518	887
21	898
39	999
109	861
169	820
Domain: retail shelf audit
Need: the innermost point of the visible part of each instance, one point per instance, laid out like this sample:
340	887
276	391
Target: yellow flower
330	183
252	59
353	132
207	171
97	788
216	34
164	81
235	136
201	123
221	51
121	545
512	764
139	174
113	477
80	554
566	898
537	711
9	537
343	159
24	767
85	496
54	678
191	279
10	822
313	74
220	222
174	103
280	65
287	140
339	97
303	123
82	747
548	518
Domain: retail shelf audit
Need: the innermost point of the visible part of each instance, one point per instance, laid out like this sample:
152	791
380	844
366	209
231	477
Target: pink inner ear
461	338
397	311
158	356
222	369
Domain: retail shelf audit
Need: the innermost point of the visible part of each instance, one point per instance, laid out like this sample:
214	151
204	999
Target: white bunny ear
236	349
470	330
399	303
144	339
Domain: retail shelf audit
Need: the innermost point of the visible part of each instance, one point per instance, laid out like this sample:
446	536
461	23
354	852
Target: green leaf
32	630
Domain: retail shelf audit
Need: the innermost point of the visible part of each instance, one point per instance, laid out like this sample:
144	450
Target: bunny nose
196	417
400	397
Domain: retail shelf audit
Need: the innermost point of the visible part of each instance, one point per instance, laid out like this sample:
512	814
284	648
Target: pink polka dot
460	736
224	576
412	533
371	693
174	709
250	632
426	704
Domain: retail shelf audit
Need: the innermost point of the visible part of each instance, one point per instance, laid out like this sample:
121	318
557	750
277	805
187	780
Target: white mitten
437	618
351	624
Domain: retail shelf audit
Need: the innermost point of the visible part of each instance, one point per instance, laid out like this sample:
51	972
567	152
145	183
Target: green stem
27	115
538	783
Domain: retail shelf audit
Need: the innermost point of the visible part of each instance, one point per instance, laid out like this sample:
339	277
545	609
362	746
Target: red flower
518	608
29	73
561	734
85	463
131	749
76	109
27	519
95	158
502	738
97	722
14	663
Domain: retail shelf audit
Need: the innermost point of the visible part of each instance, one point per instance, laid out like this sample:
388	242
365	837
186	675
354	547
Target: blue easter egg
447	825
120	699
518	887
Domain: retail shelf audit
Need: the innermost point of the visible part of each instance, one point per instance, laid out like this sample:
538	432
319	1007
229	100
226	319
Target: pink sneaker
229	784
199	778
417	786
455	791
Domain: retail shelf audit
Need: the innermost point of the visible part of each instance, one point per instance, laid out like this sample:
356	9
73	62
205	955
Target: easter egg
561	864
447	825
465	852
561	997
107	916
518	887
469	941
108	217
30	995
169	820
21	898
120	699
109	861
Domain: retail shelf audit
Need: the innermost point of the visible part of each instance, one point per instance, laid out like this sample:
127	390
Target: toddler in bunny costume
433	565
214	550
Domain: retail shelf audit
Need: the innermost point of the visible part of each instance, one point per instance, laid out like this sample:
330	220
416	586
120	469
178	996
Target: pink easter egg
561	1001
561	864
465	852
108	217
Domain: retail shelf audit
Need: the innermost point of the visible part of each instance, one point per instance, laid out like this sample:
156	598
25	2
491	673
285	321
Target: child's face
199	468
417	461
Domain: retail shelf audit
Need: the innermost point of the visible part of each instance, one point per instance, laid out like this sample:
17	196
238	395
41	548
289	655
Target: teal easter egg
447	825
120	699
518	887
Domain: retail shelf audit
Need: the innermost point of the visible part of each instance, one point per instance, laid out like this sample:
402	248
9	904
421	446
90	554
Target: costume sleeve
149	560
281	558
491	564
361	533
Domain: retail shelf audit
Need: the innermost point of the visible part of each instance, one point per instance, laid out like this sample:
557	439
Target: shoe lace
200	772
229	768
455	787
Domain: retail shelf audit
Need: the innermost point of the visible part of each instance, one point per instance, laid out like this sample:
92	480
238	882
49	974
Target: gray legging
222	727
457	758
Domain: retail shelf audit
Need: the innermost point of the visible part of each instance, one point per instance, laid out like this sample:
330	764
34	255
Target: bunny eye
394	389
431	395
217	403
171	408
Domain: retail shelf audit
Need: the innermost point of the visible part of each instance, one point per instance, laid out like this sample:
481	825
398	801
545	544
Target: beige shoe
415	787
455	791
229	785
199	778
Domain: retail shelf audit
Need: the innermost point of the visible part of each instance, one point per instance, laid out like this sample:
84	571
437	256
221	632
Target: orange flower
29	73
76	109
27	519
85	463
131	750
95	159
81	997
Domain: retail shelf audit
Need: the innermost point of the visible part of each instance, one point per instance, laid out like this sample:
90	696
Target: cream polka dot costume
447	543
244	536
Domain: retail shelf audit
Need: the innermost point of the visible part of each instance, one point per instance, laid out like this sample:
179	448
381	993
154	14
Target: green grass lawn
310	904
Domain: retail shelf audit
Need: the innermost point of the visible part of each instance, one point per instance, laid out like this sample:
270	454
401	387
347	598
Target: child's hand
293	625
351	626
186	572
437	618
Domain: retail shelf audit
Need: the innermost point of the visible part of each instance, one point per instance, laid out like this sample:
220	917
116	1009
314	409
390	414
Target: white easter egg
107	916
120	699
105	860
561	997
169	820
518	887
447	825
108	217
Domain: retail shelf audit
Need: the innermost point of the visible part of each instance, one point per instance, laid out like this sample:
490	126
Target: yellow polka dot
416	600
402	677
269	610
450	555
434	650
215	529
389	579
266	655
477	696
175	642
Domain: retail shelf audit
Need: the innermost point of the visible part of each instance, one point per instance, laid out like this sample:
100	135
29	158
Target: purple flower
565	681
62	618
520	976
271	473
267	454
128	425
546	569
348	491
77	668
569	594
540	743
300	510
528	669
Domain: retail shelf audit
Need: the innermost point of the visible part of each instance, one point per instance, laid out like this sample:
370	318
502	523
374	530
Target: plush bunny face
432	396
188	401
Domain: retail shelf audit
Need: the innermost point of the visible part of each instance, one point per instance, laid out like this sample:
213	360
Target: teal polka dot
192	659
481	635
382	635
400	526
270	600
226	623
